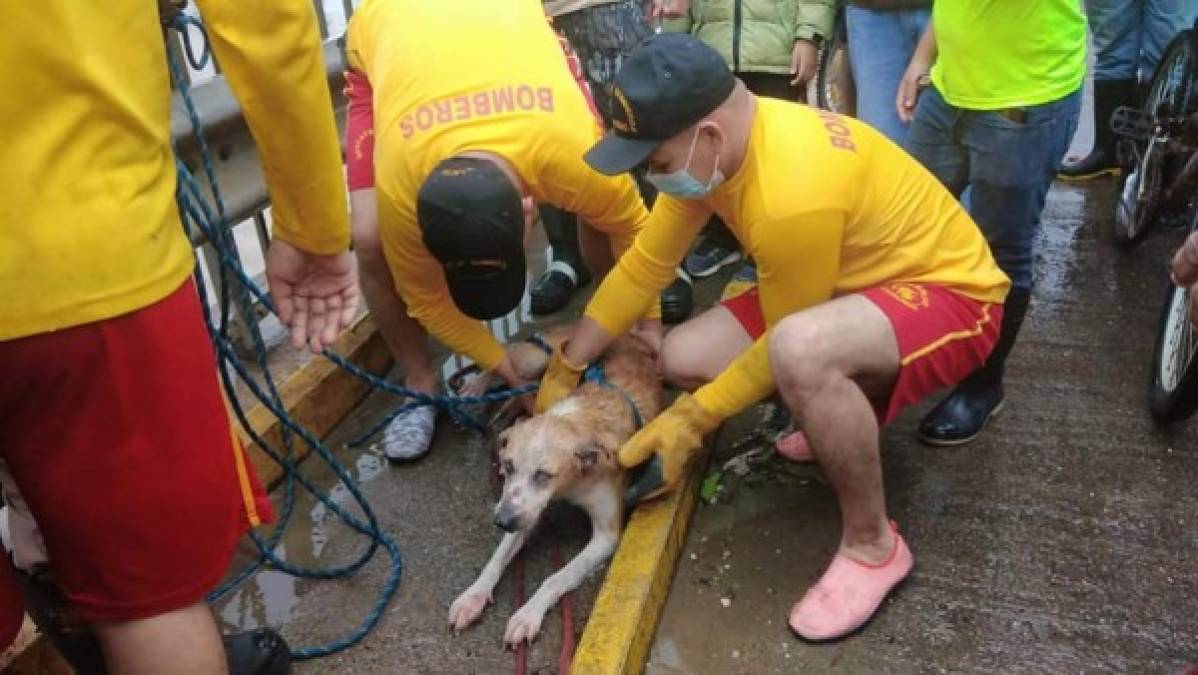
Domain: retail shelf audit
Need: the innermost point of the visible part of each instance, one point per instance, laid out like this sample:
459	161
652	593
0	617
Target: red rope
566	657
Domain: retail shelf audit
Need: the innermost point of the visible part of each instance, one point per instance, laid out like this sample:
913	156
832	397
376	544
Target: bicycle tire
1175	82
834	86
1173	383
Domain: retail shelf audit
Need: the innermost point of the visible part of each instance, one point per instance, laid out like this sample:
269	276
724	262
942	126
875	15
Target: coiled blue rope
197	212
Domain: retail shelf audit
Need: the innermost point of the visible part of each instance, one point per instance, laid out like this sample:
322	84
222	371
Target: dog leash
596	374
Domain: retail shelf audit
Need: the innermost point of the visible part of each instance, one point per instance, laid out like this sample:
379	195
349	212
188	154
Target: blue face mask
681	183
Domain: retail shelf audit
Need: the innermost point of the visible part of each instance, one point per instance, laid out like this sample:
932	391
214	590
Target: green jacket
757	35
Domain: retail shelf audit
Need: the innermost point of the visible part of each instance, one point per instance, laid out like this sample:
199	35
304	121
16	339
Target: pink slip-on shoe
849	593
794	446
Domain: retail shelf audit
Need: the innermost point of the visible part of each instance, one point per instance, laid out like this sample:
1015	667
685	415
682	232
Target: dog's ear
587	457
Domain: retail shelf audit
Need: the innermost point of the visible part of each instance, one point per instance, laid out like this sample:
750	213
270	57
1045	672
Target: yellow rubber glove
561	377
663	448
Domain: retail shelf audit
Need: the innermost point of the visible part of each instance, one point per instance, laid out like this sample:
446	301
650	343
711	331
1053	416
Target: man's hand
670	9
803	61
666	444
1184	271
507	370
650	333
914	81
561	378
316	296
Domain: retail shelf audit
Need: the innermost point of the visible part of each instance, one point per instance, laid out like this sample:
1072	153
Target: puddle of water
271	597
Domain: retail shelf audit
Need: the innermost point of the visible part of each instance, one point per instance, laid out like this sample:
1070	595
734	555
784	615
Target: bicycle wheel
834	86
1171	93
1173	387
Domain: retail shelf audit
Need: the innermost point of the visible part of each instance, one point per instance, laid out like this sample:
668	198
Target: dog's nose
505	519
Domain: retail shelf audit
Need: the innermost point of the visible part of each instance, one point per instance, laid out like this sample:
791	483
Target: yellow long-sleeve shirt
487	76
88	224
826	206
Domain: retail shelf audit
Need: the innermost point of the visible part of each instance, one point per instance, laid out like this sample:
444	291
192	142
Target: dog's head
543	456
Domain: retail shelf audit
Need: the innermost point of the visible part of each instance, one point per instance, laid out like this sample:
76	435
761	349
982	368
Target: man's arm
639	276
271	54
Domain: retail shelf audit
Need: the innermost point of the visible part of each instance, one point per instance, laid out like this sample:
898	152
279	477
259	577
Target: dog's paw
467	608
523	626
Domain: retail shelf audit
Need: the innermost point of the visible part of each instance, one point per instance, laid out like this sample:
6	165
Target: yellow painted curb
319	396
622	624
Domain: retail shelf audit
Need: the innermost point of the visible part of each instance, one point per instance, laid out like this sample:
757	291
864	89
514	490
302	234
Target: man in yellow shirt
460	157
114	431
875	289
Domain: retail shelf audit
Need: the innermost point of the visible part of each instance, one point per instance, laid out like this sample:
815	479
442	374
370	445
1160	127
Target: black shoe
708	257
257	652
556	286
960	417
677	301
1103	159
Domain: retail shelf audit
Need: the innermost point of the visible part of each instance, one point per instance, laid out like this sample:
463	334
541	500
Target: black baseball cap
472	220
669	82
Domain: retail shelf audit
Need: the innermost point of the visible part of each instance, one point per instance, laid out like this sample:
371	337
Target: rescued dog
568	452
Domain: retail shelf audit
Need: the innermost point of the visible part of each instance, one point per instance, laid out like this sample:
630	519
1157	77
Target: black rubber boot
960	417
677	300
1103	159
256	652
566	272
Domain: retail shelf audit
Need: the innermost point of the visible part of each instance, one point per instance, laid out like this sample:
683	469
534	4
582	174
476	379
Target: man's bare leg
827	361
182	642
404	336
596	251
409	436
699	349
822	359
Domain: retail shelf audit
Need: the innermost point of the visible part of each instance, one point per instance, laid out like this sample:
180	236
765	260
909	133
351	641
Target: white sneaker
410	436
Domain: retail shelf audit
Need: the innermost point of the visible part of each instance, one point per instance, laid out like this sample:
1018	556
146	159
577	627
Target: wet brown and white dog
568	452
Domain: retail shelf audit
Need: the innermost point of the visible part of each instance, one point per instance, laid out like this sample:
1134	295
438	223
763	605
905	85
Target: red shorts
359	119
118	439
942	336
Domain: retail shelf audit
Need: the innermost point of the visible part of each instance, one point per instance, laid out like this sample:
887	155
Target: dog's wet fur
568	452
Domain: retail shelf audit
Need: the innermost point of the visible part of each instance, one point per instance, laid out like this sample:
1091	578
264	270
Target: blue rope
197	213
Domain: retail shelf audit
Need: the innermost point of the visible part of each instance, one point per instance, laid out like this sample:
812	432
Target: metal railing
235	155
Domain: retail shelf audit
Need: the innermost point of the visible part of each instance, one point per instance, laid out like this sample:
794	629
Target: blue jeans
1129	35
881	42
1007	165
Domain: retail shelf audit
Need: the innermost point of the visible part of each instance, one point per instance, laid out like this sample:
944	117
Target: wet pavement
1062	540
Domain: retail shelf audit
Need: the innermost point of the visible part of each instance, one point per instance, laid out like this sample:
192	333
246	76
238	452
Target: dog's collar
539	341
595	373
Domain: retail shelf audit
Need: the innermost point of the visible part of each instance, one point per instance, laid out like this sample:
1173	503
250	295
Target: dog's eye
507	468
542	477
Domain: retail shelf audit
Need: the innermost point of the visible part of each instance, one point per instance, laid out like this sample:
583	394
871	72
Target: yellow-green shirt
89	228
826	206
488	76
998	54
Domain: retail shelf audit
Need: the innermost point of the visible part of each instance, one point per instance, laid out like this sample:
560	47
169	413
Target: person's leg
880	46
1012	165
566	272
405	337
1162	21
932	140
182	641
409	436
149	449
828	361
1116	27
698	350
